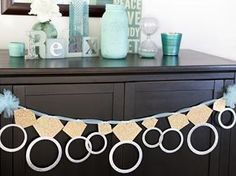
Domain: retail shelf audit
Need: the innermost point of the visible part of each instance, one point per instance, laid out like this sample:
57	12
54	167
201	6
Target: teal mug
16	49
171	43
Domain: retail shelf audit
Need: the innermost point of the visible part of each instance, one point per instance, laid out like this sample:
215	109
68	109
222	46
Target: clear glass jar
114	32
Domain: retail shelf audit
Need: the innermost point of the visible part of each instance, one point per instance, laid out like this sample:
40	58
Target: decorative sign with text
134	10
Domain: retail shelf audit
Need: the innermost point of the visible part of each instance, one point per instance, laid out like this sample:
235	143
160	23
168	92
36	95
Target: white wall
207	25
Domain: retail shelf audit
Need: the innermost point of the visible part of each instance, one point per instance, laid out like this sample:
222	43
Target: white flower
44	9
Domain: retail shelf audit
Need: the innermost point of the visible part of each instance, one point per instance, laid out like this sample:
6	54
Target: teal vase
171	43
46	27
114	32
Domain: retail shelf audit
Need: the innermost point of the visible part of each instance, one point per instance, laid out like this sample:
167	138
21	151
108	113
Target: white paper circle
68	154
125	171
89	148
48	168
145	141
212	147
17	148
180	143
220	119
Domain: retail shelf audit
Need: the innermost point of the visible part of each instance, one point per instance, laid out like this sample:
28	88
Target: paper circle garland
211	148
89	148
145	141
68	154
227	127
125	171
17	148
180	143
48	168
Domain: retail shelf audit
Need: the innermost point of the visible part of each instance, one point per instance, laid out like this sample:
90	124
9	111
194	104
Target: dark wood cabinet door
7	140
149	98
103	101
74	100
230	152
231	155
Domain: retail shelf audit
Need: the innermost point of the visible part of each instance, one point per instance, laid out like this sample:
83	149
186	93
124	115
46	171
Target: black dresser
120	90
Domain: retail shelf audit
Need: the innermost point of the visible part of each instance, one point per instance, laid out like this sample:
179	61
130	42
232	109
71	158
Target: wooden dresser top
188	61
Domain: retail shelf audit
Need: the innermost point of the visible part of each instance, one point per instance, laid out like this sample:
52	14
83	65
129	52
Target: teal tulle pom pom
8	103
230	96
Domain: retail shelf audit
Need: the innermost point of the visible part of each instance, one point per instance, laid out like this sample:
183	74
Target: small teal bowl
171	43
16	49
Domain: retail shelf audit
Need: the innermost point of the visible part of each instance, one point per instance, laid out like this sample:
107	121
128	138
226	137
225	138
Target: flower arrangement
45	10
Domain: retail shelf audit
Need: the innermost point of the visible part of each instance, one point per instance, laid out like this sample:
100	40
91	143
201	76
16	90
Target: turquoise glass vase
114	32
171	43
46	27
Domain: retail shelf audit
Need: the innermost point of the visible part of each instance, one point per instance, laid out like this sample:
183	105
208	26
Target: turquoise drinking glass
171	43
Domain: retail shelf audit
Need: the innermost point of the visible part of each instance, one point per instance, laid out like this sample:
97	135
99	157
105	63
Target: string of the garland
114	122
9	103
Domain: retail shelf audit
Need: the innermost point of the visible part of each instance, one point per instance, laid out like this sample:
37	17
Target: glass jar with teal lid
16	49
114	32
